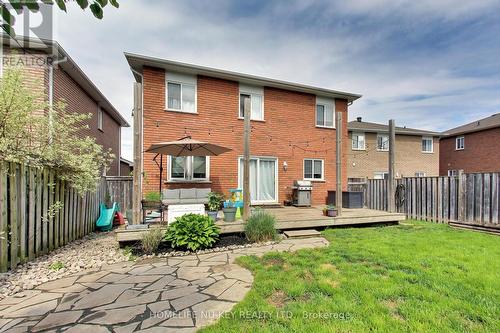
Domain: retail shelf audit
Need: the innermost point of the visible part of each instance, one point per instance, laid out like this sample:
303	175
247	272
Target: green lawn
417	277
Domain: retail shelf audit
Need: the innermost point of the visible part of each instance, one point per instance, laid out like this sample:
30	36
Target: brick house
473	147
417	151
292	137
49	69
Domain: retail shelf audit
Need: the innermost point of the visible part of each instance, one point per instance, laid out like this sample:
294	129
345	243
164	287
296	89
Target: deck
288	218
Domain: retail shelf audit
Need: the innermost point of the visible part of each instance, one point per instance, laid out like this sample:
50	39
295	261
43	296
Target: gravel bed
89	252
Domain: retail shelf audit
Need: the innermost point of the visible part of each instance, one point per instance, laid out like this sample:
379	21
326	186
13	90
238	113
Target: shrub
57	266
214	201
192	231
151	240
260	227
152	196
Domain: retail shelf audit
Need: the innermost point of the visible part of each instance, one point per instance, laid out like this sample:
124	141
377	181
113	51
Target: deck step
302	233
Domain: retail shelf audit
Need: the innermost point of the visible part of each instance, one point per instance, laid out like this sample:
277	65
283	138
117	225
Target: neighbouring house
292	137
473	147
416	155
49	69
126	167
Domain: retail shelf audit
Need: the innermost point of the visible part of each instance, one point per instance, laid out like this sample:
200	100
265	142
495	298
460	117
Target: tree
8	20
29	135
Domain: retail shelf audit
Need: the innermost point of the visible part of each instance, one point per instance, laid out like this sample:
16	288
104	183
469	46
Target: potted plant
214	203
229	211
330	210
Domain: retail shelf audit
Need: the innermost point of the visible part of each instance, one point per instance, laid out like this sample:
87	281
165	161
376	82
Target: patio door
263	178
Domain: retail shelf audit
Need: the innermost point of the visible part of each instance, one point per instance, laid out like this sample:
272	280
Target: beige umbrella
187	147
184	147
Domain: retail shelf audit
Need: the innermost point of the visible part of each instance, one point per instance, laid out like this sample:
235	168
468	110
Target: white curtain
267	180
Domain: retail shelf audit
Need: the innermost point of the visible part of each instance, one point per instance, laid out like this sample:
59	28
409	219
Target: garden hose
400	195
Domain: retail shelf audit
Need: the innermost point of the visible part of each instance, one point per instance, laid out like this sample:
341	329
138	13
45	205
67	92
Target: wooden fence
471	199
120	190
39	213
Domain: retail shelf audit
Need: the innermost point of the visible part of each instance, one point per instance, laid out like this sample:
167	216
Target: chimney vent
358	119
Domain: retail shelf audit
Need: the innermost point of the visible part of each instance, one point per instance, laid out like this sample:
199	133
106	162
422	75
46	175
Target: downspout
51	94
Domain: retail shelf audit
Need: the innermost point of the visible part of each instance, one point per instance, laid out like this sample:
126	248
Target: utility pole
391	188
338	162
246	159
137	194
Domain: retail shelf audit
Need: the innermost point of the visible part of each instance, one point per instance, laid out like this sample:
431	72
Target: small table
176	210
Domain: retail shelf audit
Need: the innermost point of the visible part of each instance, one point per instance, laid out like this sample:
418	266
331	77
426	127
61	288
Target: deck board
289	218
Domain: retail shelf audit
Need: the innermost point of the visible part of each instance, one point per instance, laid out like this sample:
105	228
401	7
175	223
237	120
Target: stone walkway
178	294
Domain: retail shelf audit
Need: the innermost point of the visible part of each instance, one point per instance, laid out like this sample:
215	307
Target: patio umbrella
187	147
184	147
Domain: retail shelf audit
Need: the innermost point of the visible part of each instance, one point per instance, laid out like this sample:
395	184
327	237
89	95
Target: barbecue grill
302	193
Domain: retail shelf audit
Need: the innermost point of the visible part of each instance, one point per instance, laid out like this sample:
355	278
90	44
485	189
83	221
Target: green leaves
192	231
8	20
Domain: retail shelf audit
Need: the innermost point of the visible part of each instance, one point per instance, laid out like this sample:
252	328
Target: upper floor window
181	92
325	112
427	145
188	168
256	97
358	141
313	169
382	142
460	143
99	118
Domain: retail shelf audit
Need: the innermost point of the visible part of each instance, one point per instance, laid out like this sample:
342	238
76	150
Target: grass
417	277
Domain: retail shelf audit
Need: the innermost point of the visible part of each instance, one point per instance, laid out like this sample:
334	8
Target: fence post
391	204
4	223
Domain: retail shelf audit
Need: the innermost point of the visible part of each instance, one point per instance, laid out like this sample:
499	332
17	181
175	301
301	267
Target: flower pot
229	214
213	214
331	212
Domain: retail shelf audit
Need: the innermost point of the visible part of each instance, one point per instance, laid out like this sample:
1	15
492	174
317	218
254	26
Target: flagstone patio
177	294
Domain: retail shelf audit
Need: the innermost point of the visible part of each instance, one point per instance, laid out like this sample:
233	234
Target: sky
428	64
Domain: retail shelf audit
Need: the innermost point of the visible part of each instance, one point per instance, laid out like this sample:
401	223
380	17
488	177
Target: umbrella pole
161	171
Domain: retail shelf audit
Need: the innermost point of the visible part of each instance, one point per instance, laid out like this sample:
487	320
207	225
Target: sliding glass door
263	176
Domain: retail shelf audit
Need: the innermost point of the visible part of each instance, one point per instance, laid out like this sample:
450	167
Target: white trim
188	168
325	102
182	80
432	144
383	135
100	119
322	169
382	173
420	174
276	178
252	91
463	142
364	140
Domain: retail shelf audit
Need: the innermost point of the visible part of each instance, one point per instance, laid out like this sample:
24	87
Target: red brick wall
481	153
289	119
77	100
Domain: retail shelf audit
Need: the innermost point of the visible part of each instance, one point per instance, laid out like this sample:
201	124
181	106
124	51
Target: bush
192	231
152	196
260	227
151	240
214	201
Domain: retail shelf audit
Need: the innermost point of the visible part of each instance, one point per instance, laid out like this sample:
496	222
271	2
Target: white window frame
253	92
457	140
420	174
276	179
322	169
325	102
452	173
381	173
188	171
383	135
364	140
182	80
432	144
99	118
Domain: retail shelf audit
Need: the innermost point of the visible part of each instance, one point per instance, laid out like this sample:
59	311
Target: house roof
382	128
137	62
492	121
70	67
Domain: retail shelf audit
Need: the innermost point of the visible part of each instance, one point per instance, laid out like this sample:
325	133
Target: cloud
428	64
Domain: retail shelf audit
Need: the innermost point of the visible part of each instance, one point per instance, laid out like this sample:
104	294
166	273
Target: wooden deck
288	218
